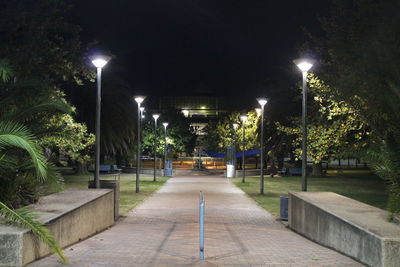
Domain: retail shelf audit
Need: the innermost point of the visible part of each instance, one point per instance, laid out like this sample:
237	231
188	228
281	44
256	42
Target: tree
220	132
179	134
333	126
70	138
360	58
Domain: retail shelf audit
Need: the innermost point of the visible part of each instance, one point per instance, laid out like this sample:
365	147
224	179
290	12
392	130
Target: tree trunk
118	159
81	168
317	169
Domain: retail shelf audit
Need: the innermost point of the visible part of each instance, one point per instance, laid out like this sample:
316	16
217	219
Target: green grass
128	197
360	185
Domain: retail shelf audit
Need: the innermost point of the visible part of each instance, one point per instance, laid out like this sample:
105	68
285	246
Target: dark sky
190	47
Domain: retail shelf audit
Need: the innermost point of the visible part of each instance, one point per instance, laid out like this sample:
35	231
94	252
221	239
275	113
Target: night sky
200	47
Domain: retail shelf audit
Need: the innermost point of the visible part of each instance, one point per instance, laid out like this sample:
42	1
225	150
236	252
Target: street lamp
262	101
165	124
235	125
99	61
244	119
185	113
139	100
155	117
142	112
304	65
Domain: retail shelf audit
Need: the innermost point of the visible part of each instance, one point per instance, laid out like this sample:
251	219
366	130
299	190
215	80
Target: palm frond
41	105
25	218
13	134
5	70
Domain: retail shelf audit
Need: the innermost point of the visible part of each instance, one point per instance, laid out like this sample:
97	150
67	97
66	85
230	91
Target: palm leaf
25	218
41	105
15	135
5	70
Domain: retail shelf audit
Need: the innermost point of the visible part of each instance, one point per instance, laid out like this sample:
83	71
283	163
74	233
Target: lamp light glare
262	101
243	118
139	99
304	64
99	61
258	111
235	125
156	116
185	112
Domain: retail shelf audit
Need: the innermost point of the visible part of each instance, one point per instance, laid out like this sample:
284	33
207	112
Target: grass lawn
361	185
128	198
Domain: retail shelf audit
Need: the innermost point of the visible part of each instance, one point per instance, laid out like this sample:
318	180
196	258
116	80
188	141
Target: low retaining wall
71	215
346	225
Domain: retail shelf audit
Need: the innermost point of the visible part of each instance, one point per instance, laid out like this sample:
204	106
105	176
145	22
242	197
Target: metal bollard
201	221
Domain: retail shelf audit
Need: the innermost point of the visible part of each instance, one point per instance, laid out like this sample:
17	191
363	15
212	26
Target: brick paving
163	231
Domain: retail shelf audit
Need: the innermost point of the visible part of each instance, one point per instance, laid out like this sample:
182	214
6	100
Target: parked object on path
201	225
284	201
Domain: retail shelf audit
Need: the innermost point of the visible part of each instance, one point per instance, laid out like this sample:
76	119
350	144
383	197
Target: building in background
199	109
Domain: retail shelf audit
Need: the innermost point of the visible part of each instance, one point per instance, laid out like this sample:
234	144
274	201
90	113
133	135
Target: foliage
360	58
333	127
179	134
220	133
47	46
70	137
15	136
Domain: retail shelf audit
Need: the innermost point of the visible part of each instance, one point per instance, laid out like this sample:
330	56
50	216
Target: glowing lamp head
304	64
99	61
185	112
139	99
165	124
243	118
262	101
142	109
156	116
235	125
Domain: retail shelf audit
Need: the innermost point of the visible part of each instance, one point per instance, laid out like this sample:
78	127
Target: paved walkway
163	231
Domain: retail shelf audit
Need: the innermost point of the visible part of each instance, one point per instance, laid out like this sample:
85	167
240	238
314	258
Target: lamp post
165	124
235	125
244	119
304	65
139	100
155	117
262	101
99	61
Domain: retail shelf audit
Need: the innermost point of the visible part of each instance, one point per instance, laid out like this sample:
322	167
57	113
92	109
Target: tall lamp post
139	100
155	117
304	64
235	125
99	61
244	119
165	124
262	101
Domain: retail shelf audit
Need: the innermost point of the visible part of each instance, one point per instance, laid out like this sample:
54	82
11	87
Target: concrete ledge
71	215
346	225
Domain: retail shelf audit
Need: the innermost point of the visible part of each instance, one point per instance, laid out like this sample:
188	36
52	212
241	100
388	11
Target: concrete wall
348	226
71	216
